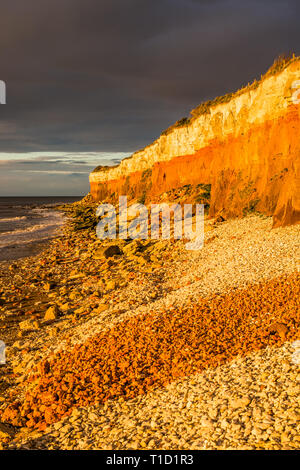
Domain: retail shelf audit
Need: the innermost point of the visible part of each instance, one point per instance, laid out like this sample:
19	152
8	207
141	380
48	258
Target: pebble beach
146	345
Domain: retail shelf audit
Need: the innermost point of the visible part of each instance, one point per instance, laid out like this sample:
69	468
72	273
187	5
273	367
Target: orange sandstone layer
152	350
258	170
248	149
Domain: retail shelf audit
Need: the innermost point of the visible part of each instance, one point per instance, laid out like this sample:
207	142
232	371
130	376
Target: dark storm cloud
109	75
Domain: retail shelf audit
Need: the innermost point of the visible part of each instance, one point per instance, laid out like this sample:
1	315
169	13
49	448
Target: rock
65	306
76	276
74	272
207	423
28	325
74	295
284	437
57	426
18	344
224	424
213	413
19	369
132	247
6	432
53	332
112	250
220	218
101	308
111	285
279	328
49	286
240	403
52	313
80	310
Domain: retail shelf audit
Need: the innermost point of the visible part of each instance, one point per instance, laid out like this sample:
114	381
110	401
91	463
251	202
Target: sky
91	81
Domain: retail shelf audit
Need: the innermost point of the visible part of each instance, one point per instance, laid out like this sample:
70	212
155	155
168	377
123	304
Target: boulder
6	432
52	313
49	286
132	247
111	285
240	403
108	252
29	325
279	328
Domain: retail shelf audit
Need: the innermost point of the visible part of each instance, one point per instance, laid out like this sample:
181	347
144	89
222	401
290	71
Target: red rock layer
258	170
151	350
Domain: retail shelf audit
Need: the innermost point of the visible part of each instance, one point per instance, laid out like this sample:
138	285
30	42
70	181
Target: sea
28	223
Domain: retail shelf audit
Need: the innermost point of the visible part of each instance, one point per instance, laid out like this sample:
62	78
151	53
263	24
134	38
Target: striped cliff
245	145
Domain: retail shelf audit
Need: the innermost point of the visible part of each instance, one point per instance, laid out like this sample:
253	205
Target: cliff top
279	65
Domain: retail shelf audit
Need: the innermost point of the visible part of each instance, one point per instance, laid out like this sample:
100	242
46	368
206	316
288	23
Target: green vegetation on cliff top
281	63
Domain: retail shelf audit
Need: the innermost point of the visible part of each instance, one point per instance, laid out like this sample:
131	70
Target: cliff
245	145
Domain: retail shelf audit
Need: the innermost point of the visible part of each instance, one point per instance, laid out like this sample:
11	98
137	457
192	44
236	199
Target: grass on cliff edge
279	64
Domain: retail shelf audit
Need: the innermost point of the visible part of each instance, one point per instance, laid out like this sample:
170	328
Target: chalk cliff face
248	149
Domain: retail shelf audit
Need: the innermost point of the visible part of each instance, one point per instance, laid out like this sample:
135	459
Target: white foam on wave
13	219
37	232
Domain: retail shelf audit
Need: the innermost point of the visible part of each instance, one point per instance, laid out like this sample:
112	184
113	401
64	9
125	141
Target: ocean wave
32	228
13	219
36	232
